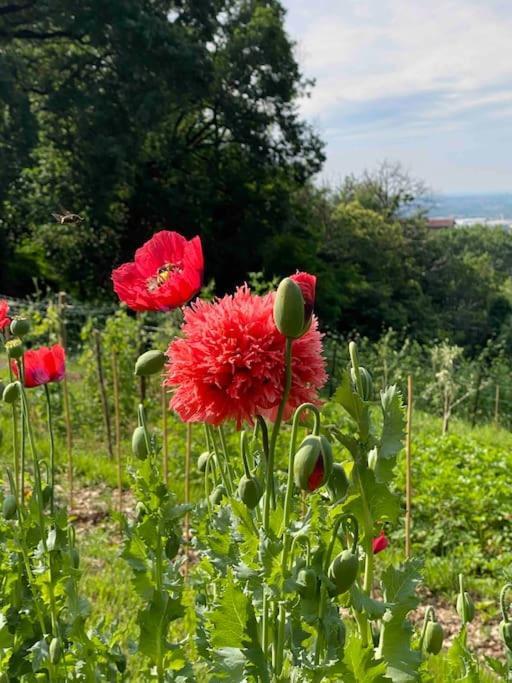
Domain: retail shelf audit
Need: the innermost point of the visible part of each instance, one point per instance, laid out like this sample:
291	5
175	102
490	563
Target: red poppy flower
166	273
316	478
4	319
307	284
380	543
42	365
229	364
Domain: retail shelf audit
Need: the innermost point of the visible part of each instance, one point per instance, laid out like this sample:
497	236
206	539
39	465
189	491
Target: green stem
217	461
52	446
429	614
503	608
243	451
226	459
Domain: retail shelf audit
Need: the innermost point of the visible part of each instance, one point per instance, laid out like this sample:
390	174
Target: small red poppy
380	543
316	478
307	284
4	318
166	273
42	365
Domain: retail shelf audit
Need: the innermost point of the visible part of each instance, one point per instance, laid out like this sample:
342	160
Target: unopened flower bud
14	348
434	636
139	445
338	483
11	392
20	327
289	309
149	363
202	461
366	382
250	491
312	464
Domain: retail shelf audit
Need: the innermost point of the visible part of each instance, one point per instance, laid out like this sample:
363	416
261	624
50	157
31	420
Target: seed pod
506	633
289	309
47	494
9	507
75	558
202	460
250	491
14	348
172	545
366	381
139	446
149	363
307	583
217	494
434	636
343	571
465	607
11	392
20	327
312	465
54	650
338	483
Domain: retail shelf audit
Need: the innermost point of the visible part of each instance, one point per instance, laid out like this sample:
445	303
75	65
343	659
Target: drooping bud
54	650
307	583
20	327
217	494
343	570
434	636
11	392
250	491
366	381
9	507
289	309
172	546
312	465
338	483
47	494
75	558
140	511
506	633
149	363
14	348
202	461
139	445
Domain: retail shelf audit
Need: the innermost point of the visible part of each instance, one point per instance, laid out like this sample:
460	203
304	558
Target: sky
424	82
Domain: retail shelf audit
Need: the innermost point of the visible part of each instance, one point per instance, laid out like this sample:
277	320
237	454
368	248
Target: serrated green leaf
347	398
393	425
382	503
154	623
361	602
228	621
361	663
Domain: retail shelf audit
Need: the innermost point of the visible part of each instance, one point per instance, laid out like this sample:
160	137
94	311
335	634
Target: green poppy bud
307	582
202	461
506	633
465	608
20	327
289	309
9	507
172	545
217	494
139	446
140	511
434	636
75	558
343	571
11	392
47	494
366	381
149	363
338	483
14	348
54	650
312	465
250	491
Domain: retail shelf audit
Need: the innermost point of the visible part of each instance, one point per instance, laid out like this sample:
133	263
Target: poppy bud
217	494
11	392
250	491
338	484
20	327
139	445
465	607
149	363
14	348
380	543
307	583
75	558
140	511
202	461
506	633
172	545
366	381
312	465
289	309
343	570
47	494
434	636
9	507
54	650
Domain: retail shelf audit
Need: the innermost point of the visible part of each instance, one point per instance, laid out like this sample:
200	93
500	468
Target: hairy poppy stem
52	447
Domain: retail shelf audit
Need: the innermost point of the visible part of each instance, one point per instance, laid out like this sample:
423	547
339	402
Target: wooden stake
165	445
117	423
408	470
497	406
103	393
67	413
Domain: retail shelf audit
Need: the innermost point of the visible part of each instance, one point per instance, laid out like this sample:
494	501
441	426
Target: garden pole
103	393
408	470
165	445
117	418
497	406
67	414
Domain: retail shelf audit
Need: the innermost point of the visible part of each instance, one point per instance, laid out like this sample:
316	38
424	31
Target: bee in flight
67	217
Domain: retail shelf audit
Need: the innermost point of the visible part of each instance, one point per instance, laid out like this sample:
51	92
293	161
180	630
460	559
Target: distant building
438	223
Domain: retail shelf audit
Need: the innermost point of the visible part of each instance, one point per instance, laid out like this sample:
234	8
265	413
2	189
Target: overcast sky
424	82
